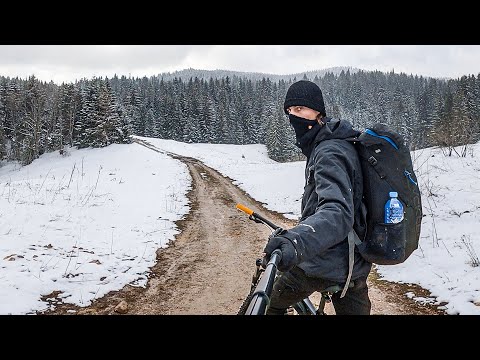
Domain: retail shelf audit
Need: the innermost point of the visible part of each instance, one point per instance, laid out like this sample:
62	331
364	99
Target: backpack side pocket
386	245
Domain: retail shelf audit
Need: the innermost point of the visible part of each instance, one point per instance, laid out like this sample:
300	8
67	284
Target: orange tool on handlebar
257	218
244	209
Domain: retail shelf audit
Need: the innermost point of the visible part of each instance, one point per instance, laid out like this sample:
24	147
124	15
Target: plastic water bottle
393	209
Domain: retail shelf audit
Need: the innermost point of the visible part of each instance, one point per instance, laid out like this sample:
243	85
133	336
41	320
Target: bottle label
393	211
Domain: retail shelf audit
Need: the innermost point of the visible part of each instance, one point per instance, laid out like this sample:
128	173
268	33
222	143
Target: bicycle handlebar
255	217
260	298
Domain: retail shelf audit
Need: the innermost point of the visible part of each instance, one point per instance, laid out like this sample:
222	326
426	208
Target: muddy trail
207	269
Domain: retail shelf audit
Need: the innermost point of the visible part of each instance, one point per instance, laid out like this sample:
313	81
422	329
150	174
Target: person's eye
299	108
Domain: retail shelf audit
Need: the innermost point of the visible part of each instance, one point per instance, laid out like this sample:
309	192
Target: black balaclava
303	134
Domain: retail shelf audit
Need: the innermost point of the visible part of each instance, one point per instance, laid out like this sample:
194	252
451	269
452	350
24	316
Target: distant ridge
186	74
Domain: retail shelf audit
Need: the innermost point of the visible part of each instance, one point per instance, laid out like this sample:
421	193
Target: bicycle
257	301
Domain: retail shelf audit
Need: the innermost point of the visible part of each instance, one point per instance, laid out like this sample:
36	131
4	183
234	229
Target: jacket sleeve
333	217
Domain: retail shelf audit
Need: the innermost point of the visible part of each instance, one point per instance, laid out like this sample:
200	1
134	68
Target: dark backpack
387	166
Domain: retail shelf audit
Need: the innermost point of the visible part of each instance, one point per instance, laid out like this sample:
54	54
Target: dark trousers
294	285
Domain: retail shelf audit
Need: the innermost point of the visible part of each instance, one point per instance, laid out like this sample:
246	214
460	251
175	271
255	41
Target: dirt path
207	269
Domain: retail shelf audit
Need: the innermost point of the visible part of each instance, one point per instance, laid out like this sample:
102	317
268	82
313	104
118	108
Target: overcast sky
66	63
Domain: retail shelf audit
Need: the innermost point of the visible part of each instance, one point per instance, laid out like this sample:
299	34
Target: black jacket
333	190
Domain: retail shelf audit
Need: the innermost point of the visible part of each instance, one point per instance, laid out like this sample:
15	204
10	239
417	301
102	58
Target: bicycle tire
247	300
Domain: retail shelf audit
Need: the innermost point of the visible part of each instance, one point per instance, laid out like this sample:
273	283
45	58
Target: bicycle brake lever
277	231
251	217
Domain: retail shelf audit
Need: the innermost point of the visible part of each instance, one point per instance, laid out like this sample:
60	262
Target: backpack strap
353	240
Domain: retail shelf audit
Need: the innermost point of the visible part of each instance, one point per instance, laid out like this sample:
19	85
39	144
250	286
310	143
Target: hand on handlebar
289	253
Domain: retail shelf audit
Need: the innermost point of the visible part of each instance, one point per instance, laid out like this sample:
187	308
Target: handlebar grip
254	216
244	209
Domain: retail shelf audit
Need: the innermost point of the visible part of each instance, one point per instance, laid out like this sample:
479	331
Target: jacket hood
336	129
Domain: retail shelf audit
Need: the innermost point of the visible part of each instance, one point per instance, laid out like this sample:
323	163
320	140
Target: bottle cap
393	194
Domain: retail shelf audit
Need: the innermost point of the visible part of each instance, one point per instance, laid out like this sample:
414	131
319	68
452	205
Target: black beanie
304	93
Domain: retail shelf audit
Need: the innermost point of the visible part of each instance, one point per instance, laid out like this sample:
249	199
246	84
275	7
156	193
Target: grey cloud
95	56
68	62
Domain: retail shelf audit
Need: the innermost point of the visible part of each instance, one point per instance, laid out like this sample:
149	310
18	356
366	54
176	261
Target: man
315	253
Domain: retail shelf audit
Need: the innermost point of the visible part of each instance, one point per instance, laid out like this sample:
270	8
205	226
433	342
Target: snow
85	224
86	232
